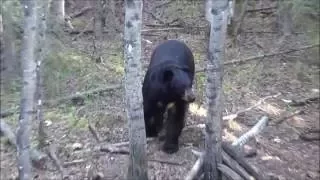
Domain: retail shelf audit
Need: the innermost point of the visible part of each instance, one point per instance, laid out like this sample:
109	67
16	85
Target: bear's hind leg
154	124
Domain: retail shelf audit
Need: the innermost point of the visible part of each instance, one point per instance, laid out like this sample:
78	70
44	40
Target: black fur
169	76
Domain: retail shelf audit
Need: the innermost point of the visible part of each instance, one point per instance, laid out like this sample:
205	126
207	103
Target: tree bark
28	89
137	169
217	16
41	54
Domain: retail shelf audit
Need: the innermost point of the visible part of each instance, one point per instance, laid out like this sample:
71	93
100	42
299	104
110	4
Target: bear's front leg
154	122
174	126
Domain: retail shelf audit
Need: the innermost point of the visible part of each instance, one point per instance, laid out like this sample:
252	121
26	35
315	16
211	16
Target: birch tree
28	89
217	15
137	169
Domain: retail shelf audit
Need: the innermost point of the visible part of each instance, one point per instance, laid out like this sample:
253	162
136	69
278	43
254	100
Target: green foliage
306	17
71	71
12	13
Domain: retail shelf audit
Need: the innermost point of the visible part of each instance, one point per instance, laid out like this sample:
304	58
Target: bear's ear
167	75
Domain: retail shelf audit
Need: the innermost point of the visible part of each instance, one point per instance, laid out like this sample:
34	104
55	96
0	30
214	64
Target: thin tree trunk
28	89
41	54
57	9
9	62
218	21
137	169
285	22
56	17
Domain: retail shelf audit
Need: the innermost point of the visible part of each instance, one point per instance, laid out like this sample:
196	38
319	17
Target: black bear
168	85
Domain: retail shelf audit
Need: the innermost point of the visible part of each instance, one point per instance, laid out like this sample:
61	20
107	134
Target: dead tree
41	53
57	17
217	15
285	21
9	61
132	54
57	10
239	9
28	89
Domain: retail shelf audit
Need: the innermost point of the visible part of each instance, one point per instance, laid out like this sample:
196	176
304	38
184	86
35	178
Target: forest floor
282	151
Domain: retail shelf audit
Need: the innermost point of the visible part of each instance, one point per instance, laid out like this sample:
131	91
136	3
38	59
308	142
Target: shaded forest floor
282	152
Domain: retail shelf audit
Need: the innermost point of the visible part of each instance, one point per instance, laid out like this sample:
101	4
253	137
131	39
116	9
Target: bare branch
255	130
82	94
262	9
239	61
305	101
166	162
80	12
71	163
93	131
229	172
277	122
311	135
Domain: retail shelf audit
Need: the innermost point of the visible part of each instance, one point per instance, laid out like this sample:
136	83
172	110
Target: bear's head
178	82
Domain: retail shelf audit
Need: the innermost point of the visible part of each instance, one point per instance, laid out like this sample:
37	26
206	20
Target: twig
261	9
277	122
71	163
114	149
53	156
38	158
255	130
79	13
164	4
174	28
126	143
307	137
83	94
238	61
93	131
166	162
229	173
304	101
